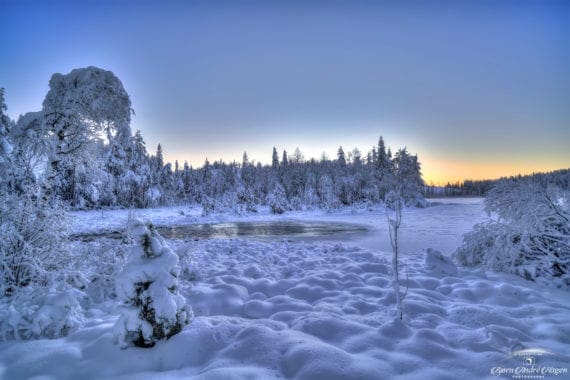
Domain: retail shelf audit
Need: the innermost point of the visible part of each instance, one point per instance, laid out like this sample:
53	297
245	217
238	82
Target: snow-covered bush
530	235
246	200
39	295
34	313
296	203
152	307
325	192
236	202
209	205
102	262
152	196
32	242
310	199
277	201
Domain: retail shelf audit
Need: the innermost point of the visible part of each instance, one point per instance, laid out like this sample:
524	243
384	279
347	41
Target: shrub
530	235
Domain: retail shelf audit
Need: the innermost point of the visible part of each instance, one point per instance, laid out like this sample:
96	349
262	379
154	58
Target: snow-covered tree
245	199
36	297
30	146
394	207
284	159
405	179
138	178
5	146
530	235
341	159
325	192
153	309
298	156
277	201
79	106
274	160
405	183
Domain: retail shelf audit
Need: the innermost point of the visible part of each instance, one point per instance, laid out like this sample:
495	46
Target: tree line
480	188
80	150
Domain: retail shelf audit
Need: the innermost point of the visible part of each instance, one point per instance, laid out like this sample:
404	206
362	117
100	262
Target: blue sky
476	88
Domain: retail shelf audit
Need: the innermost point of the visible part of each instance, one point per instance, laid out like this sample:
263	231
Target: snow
319	309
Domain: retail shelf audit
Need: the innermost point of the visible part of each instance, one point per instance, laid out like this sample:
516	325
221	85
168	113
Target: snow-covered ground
322	309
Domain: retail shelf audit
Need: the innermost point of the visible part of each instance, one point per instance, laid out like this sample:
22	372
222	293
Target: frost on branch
530	236
152	307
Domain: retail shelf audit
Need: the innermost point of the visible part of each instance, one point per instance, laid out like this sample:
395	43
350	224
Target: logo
530	363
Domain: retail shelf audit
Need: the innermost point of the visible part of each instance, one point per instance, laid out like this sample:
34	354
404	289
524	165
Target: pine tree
382	159
153	309
159	157
275	159
341	160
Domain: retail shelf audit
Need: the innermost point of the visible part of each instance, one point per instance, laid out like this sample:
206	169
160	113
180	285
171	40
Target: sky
478	89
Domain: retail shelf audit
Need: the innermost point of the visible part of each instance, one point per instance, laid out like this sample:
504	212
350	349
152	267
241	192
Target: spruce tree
275	159
341	159
153	309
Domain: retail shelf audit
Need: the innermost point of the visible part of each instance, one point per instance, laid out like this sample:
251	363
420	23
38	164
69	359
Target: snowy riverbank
300	309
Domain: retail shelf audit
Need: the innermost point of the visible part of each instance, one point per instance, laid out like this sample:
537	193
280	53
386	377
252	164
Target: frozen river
439	226
263	230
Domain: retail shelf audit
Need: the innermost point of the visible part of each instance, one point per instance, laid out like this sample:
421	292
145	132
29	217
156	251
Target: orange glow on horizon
440	173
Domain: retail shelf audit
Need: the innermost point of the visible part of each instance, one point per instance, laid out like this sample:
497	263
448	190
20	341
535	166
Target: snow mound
437	262
320	311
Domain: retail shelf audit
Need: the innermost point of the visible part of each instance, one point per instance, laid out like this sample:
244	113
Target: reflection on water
258	229
267	229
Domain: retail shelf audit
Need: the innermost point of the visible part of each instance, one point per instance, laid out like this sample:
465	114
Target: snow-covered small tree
325	192
405	181
153	309
245	199
277	201
394	207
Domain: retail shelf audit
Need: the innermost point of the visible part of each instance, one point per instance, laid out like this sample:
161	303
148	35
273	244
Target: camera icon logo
529	360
